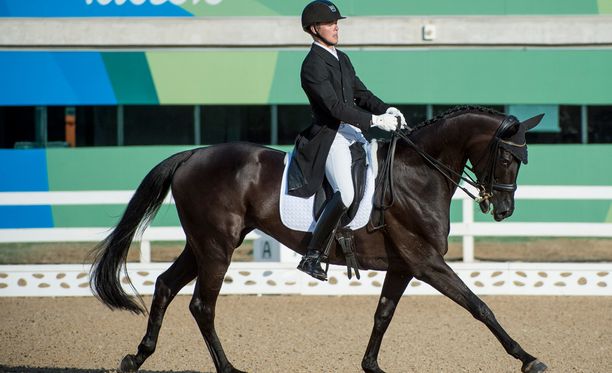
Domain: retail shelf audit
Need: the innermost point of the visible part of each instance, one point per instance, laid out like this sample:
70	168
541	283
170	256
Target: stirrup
312	267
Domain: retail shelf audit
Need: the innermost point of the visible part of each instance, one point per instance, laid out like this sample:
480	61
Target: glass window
158	125
96	125
570	124
600	124
291	120
56	124
548	131
550	122
17	124
225	123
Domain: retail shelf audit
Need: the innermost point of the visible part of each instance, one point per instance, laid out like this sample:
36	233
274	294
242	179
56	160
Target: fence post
145	251
468	237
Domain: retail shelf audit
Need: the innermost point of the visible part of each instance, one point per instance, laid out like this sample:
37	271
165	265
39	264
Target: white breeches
338	163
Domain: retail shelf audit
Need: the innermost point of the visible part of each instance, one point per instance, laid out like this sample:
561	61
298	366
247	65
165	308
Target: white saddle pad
297	213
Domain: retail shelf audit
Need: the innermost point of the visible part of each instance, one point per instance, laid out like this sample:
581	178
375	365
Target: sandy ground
309	334
313	334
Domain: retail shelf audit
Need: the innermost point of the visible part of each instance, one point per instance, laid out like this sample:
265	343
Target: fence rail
282	278
468	229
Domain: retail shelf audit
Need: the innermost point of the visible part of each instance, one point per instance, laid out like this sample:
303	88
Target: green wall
405	7
254	76
409	76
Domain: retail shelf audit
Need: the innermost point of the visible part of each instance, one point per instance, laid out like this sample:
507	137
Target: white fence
282	278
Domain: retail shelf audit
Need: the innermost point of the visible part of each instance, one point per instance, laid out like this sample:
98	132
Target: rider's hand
385	122
396	113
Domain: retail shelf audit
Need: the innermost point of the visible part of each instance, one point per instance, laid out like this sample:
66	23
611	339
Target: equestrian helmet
319	11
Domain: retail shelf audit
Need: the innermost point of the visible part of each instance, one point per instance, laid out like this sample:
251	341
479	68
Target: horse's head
497	176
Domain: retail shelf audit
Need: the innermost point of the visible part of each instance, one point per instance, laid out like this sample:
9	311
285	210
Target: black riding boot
311	262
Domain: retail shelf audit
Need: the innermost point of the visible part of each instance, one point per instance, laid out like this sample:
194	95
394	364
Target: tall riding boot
311	262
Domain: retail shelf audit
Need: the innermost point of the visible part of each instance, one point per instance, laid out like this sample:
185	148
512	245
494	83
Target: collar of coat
327	57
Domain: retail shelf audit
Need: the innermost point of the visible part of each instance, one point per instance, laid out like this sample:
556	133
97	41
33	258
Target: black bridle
489	184
486	186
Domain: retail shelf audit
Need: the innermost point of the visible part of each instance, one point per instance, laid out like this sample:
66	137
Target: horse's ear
511	131
532	122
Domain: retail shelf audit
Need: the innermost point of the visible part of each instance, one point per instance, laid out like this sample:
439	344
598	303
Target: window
17	124
600	124
27	126
225	123
291	120
570	124
96	125
158	125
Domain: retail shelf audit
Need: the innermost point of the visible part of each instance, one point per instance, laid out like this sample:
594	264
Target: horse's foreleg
202	308
393	288
168	284
439	275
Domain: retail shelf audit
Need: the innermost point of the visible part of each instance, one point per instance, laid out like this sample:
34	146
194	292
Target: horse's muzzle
501	215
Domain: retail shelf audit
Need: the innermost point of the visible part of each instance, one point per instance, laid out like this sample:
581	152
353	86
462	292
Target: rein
444	169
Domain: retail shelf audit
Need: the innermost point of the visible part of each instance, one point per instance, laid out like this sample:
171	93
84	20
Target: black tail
110	254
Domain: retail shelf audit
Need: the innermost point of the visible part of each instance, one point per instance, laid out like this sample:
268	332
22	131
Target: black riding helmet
319	11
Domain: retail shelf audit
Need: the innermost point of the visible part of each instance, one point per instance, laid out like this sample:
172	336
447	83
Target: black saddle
359	167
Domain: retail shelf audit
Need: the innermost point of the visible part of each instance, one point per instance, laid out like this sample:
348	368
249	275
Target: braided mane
455	111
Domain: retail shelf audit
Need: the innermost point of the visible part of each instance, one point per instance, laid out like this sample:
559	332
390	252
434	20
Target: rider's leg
338	173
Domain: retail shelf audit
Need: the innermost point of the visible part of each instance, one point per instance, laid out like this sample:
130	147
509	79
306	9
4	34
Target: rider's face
328	32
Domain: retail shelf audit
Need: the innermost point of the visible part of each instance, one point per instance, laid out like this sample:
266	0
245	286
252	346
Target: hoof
536	366
371	367
128	364
229	368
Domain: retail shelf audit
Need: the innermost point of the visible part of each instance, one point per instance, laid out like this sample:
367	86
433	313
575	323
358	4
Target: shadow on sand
21	369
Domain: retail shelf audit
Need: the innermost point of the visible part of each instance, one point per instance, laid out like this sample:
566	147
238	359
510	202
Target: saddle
342	234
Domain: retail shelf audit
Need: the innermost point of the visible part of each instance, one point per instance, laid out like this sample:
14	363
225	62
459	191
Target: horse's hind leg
393	288
210	278
439	275
168	284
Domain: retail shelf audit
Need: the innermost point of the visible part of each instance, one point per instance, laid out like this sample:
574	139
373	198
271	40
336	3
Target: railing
468	228
84	234
501	278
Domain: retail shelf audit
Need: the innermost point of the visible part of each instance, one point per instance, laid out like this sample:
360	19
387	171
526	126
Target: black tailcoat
336	95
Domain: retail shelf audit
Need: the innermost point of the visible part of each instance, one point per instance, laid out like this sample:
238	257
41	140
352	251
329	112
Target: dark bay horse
223	192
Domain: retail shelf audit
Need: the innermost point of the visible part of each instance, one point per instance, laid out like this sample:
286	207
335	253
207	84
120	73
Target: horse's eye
505	162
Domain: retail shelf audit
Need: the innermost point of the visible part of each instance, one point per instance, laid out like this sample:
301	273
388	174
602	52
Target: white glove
385	122
395	112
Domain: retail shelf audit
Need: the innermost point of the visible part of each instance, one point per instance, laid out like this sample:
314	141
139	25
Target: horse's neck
450	142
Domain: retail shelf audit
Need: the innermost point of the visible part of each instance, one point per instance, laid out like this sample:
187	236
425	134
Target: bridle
486	186
489	184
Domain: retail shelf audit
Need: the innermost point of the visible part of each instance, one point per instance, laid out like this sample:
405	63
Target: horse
224	191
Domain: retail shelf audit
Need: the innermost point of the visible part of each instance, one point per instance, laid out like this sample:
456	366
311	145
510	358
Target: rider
342	107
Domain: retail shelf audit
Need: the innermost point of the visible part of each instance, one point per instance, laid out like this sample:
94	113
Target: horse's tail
110	255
